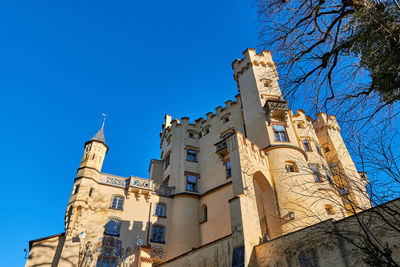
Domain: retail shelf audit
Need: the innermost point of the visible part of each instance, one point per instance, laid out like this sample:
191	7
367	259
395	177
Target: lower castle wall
217	253
326	243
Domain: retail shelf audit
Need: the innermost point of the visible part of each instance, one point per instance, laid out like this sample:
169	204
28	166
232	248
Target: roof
43	238
99	136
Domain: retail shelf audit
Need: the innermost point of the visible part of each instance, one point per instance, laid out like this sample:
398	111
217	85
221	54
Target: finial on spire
104	119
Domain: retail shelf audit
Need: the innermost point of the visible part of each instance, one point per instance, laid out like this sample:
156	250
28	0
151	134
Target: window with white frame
280	133
117	202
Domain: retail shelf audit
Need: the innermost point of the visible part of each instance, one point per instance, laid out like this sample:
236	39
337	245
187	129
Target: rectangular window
160	210
289	168
316	174
306	144
228	169
112	227
91	192
158	234
76	189
166	161
191	183
117	202
192	135
191	155
329	209
280	133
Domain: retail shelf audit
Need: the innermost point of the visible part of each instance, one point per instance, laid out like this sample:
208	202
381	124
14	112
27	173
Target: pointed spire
99	136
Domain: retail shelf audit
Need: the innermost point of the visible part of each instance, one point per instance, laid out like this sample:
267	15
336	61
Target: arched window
117	202
160	210
113	226
158	234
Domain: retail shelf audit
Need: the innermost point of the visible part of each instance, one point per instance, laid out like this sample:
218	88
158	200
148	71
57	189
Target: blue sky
63	63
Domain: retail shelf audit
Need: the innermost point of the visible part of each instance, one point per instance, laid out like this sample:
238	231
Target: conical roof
99	136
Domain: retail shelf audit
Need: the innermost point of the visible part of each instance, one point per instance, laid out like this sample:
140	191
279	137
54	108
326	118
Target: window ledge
160	216
203	221
117	235
111	208
192	161
162	242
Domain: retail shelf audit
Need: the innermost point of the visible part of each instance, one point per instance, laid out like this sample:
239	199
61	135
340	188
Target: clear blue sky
63	63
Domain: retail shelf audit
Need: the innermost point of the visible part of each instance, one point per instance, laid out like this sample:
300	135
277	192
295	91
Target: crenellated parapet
203	123
251	58
325	121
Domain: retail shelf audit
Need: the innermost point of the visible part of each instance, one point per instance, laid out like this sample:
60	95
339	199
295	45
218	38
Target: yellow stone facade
249	172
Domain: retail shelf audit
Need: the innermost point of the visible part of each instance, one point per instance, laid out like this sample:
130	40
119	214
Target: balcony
163	190
221	147
276	109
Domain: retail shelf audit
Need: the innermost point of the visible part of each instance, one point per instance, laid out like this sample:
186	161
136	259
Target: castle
250	172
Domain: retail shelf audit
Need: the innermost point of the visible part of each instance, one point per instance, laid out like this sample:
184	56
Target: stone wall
217	253
331	243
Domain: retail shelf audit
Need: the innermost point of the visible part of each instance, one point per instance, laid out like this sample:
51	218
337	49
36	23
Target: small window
200	135
91	192
157	235
300	125
206	131
228	169
329	210
191	183
328	176
225	119
326	148
267	82
168	140
191	155
318	148
166	180
117	202
316	174
76	189
280	133
112	227
166	161
203	215
192	135
291	167
160	210
307	146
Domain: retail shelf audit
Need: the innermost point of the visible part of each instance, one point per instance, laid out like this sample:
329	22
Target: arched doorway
267	207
